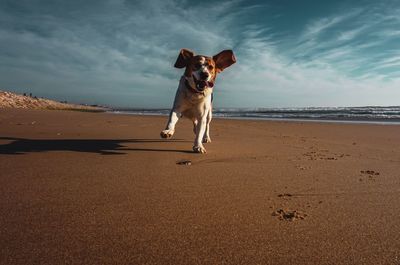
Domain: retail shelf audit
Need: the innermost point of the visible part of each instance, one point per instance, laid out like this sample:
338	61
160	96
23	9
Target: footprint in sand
323	155
285	195
289	215
370	173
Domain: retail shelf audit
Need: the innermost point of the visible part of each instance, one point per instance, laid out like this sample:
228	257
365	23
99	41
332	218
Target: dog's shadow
99	146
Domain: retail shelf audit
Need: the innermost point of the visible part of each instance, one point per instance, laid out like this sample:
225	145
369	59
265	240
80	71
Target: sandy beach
99	188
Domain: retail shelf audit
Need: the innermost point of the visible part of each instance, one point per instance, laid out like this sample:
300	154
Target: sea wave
368	113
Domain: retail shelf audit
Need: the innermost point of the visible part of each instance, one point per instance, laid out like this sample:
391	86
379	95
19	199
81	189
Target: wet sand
98	188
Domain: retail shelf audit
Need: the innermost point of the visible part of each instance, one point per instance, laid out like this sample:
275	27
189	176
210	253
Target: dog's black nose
204	75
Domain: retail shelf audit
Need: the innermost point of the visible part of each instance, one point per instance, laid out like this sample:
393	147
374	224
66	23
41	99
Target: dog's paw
199	149
167	133
206	140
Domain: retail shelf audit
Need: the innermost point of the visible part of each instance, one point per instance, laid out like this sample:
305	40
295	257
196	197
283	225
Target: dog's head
201	70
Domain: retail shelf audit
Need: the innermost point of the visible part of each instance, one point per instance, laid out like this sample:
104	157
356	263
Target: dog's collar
197	83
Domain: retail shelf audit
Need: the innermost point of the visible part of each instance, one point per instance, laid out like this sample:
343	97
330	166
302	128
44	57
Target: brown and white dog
194	95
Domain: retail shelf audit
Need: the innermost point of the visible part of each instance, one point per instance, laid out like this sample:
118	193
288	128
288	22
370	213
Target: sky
121	53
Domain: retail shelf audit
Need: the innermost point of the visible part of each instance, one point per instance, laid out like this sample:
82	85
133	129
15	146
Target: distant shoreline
293	115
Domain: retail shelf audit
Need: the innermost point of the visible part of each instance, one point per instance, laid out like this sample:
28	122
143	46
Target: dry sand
98	188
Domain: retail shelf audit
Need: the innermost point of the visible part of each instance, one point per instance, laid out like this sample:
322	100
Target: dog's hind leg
170	129
206	138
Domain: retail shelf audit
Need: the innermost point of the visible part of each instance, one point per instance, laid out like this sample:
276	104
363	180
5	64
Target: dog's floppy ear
224	59
183	58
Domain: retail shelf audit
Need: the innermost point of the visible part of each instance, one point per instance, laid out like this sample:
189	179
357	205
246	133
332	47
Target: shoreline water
243	115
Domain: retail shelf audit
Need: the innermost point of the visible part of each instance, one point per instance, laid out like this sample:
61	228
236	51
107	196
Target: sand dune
12	100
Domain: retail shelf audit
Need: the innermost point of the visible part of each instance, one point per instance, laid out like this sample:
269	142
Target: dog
193	98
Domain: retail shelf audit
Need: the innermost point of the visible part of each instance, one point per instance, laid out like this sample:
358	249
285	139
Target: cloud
122	53
351	34
321	69
114	49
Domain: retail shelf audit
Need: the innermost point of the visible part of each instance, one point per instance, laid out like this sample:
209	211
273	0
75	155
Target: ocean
368	114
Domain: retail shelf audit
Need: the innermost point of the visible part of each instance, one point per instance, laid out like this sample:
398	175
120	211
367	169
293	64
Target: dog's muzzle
202	84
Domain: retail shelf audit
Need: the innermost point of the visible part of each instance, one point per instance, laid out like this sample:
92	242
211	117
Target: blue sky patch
121	53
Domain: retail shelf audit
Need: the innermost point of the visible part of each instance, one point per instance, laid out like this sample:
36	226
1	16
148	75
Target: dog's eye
210	67
197	66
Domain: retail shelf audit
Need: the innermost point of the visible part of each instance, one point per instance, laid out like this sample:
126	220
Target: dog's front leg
170	129
206	138
200	129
